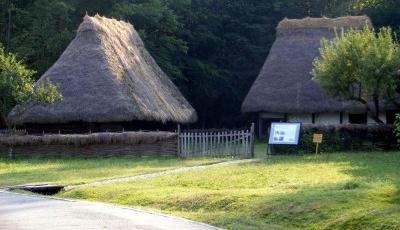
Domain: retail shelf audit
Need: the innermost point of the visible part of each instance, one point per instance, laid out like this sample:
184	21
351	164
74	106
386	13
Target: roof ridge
356	22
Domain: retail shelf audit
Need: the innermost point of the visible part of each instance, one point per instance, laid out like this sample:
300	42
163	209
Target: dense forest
212	49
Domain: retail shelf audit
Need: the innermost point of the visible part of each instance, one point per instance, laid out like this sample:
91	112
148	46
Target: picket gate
216	143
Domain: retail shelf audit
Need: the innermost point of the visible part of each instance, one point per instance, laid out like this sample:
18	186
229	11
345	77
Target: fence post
252	140
220	141
10	152
179	141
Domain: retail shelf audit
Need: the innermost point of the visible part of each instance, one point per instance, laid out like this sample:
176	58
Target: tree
17	86
159	27
382	12
212	49
360	66
42	31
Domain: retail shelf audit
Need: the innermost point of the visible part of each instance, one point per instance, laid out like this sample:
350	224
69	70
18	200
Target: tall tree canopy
361	66
17	86
212	49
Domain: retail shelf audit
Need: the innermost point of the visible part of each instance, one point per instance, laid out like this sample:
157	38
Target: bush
17	86
343	138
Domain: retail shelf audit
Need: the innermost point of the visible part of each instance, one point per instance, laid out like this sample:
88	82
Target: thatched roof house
106	76
284	89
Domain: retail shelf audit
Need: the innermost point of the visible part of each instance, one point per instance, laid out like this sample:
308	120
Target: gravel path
157	174
26	212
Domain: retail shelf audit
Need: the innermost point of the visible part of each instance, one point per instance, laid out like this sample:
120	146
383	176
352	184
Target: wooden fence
232	143
90	145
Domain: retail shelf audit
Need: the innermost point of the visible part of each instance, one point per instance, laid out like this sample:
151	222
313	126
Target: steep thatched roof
106	75
284	84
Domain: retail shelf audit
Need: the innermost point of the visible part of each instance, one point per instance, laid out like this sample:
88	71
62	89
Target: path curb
158	174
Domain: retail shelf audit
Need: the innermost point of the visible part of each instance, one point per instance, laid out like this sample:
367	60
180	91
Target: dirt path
157	174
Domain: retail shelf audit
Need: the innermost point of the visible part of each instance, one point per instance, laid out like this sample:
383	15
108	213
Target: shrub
343	138
397	128
17	86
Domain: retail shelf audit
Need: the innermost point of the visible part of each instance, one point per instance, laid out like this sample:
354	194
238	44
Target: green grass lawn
76	171
333	191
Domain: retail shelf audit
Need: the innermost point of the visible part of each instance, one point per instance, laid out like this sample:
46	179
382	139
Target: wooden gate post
10	152
179	141
252	140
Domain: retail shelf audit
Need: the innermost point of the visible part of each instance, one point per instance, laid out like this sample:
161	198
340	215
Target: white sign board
284	133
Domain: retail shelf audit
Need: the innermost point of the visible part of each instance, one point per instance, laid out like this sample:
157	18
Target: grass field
76	171
332	191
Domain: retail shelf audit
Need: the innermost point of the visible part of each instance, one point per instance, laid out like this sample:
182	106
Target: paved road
23	212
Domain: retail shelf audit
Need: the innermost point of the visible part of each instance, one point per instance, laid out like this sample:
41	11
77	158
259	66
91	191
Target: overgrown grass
76	171
333	191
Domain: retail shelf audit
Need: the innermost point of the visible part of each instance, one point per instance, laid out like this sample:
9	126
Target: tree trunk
376	119
3	121
307	8
392	99
8	30
375	116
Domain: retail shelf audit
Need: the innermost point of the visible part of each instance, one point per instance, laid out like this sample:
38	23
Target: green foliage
17	85
46	93
212	49
159	27
397	127
314	8
201	44
360	65
365	4
42	30
16	82
343	138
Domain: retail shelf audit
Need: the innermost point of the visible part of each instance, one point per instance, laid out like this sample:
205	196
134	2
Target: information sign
284	134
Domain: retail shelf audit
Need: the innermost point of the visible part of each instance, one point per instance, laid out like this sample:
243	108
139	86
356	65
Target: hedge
343	138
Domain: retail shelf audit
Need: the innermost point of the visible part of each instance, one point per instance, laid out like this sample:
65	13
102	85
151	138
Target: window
360	118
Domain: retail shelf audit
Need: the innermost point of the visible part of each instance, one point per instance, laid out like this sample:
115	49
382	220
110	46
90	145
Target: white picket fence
233	143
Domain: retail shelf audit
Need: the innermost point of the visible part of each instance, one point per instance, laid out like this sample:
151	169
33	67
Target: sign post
317	139
284	134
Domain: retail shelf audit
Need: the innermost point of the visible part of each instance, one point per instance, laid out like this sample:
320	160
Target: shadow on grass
69	171
338	206
38	170
371	200
368	198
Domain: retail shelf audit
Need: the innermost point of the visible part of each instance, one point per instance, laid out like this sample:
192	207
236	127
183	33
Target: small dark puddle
41	189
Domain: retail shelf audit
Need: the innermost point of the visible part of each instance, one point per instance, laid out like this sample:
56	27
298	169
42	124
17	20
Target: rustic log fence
186	144
214	143
90	145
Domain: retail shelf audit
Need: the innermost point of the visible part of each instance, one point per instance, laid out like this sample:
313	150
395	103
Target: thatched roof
106	75
284	84
355	22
